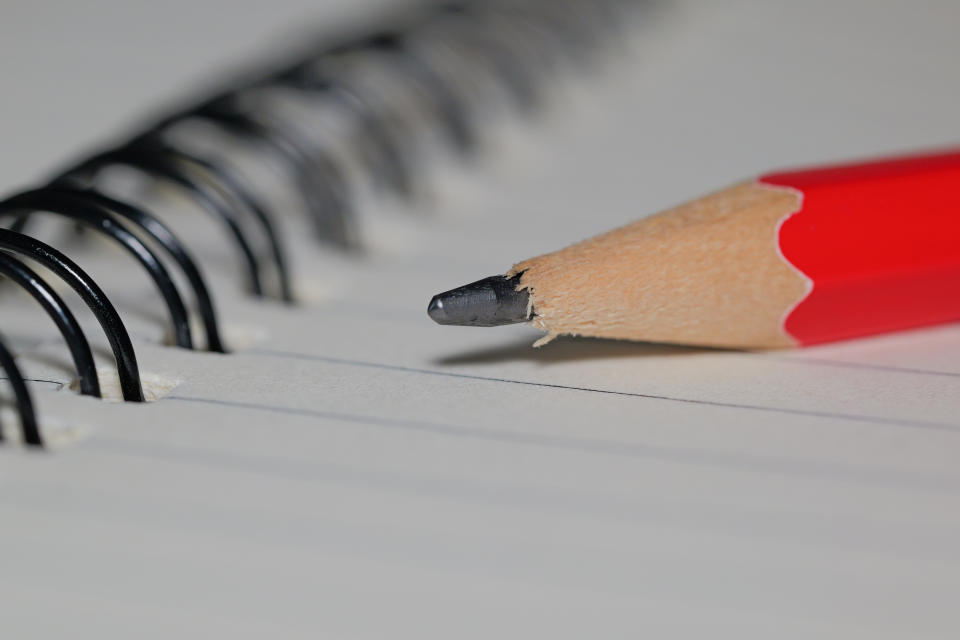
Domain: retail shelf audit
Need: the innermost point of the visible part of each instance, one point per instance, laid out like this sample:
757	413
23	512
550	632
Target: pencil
787	259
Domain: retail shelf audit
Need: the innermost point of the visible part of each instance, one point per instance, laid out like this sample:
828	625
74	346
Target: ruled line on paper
59	385
851	417
797	357
802	359
780	523
763	464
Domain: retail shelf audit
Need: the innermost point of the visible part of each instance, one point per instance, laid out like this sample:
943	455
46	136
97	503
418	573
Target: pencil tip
436	311
489	302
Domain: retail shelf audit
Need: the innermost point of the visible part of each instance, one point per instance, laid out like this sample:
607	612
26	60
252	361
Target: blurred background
687	96
744	83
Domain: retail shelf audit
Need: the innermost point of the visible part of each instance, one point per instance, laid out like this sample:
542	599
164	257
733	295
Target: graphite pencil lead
489	302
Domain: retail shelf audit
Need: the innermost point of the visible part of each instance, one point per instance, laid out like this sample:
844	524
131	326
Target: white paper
355	471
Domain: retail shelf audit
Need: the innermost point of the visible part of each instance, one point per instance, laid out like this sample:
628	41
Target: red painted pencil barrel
880	242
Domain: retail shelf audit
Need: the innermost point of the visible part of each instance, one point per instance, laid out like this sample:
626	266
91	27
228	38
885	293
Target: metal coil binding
390	87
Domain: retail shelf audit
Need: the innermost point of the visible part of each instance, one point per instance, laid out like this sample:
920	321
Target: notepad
353	470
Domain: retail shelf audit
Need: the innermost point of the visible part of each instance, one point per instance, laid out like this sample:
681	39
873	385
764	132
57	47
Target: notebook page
354	470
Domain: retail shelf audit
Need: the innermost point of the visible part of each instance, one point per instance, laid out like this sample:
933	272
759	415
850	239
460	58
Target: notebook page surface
353	470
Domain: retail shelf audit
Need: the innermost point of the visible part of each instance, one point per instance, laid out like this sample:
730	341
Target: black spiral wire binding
439	62
100	220
153	228
99	304
28	419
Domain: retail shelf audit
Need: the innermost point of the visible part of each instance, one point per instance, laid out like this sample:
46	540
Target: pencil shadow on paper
567	349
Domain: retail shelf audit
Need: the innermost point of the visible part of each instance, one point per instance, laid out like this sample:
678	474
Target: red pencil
790	258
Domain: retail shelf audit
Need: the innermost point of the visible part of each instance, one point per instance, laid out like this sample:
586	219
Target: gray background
192	524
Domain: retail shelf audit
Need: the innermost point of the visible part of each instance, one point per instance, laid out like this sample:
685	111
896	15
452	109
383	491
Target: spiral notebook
348	468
